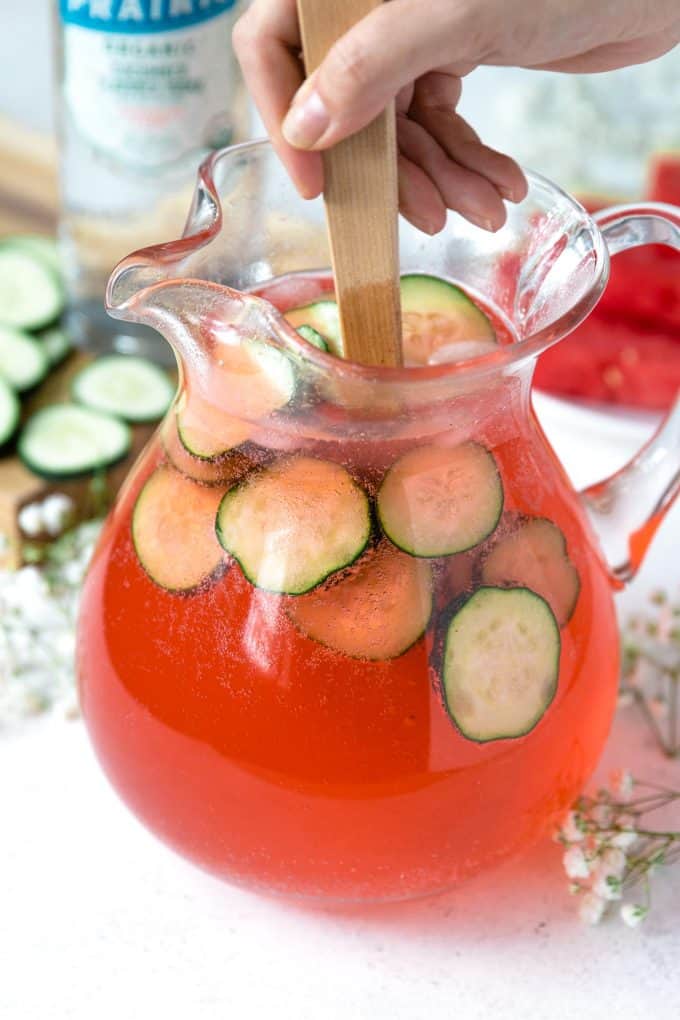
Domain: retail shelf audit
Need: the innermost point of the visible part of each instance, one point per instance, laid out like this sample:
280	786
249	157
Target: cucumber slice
43	248
438	500
210	472
56	344
130	387
23	362
9	412
65	441
437	314
31	295
323	317
377	612
207	433
257	378
294	523
535	556
500	663
173	530
312	337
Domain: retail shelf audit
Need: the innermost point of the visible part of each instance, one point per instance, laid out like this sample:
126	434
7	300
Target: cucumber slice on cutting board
437	314
45	249
9	412
535	556
65	441
173	530
500	663
309	334
23	362
56	344
439	500
130	387
321	316
294	523
377	612
31	294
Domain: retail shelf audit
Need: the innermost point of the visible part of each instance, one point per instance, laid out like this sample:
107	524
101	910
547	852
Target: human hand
418	53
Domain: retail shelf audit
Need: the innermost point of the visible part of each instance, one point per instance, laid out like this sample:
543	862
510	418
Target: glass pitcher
349	632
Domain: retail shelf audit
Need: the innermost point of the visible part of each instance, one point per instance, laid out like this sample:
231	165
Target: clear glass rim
198	233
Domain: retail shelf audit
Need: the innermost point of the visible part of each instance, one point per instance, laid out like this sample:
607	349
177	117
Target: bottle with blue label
146	89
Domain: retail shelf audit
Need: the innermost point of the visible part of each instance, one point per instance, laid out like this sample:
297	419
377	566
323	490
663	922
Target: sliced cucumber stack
294	523
377	612
130	387
500	663
31	294
23	362
173	530
9	412
44	249
535	556
56	344
437	500
323	317
65	441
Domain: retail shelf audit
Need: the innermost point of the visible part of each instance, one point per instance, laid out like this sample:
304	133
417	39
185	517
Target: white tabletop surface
98	921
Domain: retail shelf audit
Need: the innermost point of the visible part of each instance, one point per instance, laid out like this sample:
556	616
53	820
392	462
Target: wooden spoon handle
360	191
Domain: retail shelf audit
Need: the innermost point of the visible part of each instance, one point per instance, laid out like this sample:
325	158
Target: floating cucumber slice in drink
440	500
500	663
377	612
534	555
321	316
173	530
309	334
293	523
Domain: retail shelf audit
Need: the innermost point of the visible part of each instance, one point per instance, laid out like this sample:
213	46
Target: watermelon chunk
614	360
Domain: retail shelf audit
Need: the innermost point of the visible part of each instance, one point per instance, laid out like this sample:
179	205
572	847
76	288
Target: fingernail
510	194
306	121
482	221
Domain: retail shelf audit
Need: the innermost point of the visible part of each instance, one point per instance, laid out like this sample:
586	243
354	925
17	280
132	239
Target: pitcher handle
627	508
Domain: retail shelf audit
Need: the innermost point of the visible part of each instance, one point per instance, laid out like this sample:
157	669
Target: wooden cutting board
28	204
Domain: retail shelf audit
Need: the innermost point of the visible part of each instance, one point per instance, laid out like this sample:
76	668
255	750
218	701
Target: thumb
365	69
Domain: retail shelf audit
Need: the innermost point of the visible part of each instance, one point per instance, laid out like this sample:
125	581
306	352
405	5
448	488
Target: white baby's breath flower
621	784
633	914
592	908
602	815
575	863
57	511
607	886
613	862
30	520
626	837
572	829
